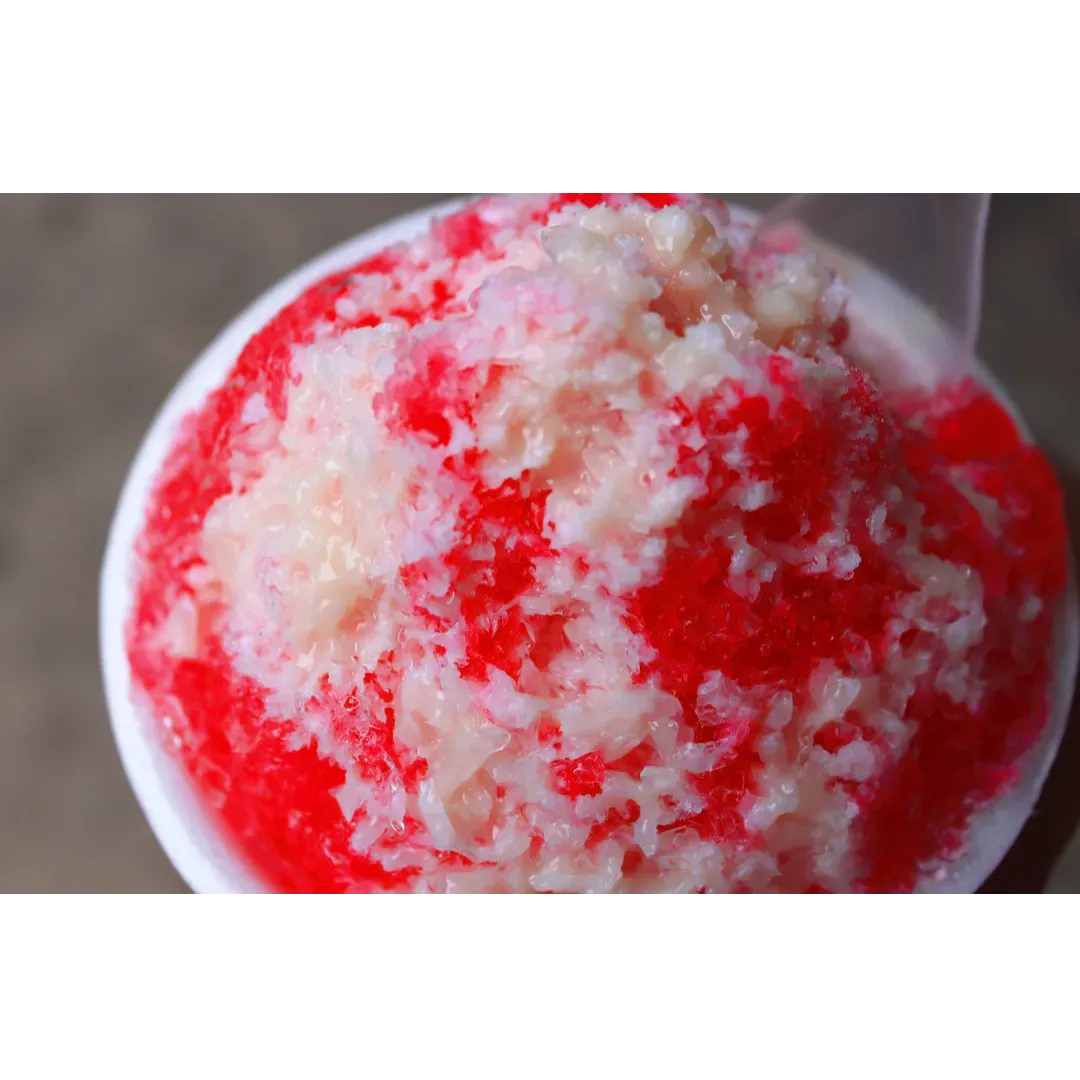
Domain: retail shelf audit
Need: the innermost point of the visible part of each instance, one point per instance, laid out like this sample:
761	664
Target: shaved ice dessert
576	547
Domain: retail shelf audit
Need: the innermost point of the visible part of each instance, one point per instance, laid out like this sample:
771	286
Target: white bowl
206	859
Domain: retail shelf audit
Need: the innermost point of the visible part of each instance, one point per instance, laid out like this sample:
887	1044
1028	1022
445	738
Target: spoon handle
963	221
932	244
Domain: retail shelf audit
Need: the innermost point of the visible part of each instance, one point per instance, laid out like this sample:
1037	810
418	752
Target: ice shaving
573	547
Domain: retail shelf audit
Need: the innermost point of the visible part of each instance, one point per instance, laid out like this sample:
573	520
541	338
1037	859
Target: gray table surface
105	300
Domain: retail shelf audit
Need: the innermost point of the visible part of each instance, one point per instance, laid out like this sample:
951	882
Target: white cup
206	859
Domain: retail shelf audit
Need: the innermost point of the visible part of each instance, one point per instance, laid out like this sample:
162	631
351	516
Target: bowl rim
207	860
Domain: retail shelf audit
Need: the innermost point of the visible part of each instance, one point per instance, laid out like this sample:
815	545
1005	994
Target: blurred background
105	300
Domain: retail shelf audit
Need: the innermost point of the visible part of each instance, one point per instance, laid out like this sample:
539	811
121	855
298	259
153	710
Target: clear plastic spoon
931	245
